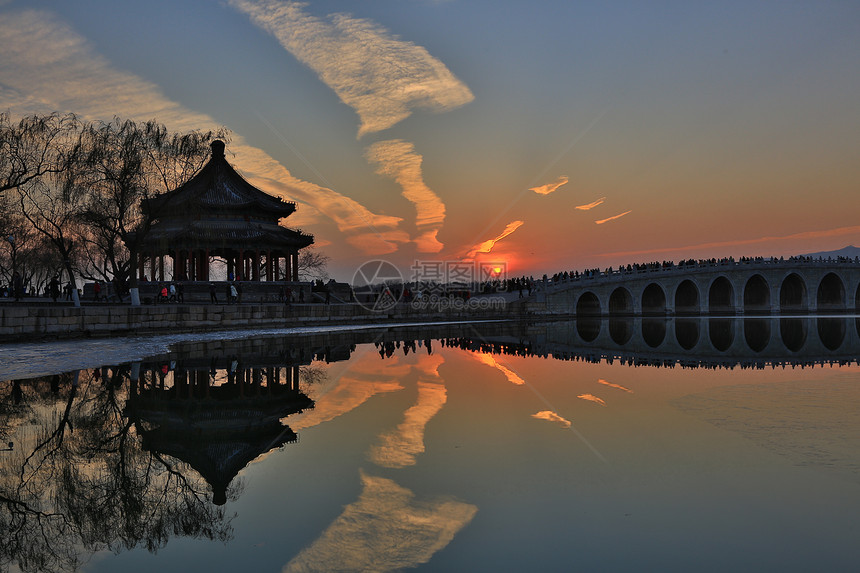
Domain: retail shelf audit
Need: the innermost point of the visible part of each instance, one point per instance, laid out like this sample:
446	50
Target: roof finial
217	148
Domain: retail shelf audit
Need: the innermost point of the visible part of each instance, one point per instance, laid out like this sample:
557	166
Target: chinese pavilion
219	214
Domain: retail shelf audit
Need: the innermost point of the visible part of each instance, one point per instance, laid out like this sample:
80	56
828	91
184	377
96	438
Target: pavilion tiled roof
219	209
218	187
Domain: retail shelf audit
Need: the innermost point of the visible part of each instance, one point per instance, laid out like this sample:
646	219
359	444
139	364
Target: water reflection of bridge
691	342
755	286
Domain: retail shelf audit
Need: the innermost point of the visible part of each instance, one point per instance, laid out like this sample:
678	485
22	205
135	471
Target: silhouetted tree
127	162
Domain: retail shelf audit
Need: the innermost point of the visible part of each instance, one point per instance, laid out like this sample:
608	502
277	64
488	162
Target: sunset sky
548	136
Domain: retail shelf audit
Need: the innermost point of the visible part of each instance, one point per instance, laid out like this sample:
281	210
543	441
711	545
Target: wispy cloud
592	398
591	205
380	76
46	66
600	222
397	159
399	448
611	385
487	246
548	188
550	416
488	360
386	529
805	235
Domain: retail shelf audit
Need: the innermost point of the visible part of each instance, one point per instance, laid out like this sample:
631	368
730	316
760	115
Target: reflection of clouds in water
366	377
552	417
492	363
398	449
360	383
611	385
592	398
385	530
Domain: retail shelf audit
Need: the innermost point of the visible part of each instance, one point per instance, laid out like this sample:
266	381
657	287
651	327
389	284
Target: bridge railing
652	268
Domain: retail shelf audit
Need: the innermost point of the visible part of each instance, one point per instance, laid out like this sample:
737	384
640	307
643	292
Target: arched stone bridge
756	286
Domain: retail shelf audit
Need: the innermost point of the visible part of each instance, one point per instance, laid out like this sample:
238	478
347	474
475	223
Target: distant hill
849	251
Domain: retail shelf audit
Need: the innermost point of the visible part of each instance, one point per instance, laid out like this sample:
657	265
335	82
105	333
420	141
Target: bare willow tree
79	481
313	265
48	197
127	162
33	148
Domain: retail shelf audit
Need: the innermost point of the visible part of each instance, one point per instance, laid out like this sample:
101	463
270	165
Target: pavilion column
153	266
255	272
241	269
295	265
175	265
206	266
161	267
141	267
269	266
201	265
275	270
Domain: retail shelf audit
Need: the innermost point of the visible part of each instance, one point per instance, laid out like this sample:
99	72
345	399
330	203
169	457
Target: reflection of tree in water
78	478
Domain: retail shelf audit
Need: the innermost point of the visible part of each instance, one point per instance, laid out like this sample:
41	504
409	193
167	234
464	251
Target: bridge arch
756	295
653	299
792	294
621	330
757	333
687	332
831	331
687	297
588	304
793	333
721	332
654	331
721	296
831	293
620	301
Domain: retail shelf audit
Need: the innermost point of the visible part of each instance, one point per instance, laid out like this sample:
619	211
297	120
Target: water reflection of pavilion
216	414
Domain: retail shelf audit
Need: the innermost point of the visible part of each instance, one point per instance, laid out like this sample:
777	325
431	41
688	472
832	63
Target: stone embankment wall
19	323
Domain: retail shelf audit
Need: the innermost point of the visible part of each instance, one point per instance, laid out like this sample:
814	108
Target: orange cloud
552	417
386	529
47	66
488	360
591	205
488	245
550	187
397	159
399	448
378	75
611	385
592	398
600	222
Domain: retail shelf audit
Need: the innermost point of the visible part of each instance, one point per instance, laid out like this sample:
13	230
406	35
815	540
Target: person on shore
213	297
171	293
180	292
234	293
54	288
97	291
17	286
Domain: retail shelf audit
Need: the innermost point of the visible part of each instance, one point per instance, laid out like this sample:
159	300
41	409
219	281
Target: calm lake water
679	445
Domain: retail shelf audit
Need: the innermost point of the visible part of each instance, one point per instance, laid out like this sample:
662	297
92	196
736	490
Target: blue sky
425	130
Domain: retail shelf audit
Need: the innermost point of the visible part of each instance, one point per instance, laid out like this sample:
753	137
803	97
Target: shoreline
48	322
